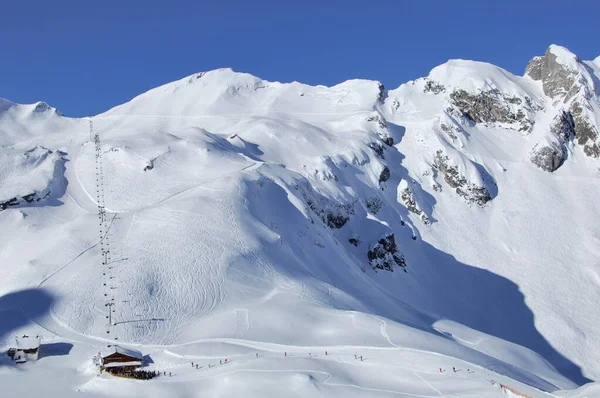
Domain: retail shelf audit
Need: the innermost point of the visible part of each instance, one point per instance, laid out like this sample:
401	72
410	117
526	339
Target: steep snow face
429	217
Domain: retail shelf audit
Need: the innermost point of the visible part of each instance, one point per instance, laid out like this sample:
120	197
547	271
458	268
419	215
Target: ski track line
242	322
324	382
429	384
253	166
274	347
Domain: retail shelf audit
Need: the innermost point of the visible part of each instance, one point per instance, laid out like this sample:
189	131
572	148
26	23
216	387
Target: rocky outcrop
382	129
433	87
19	200
384	175
470	191
335	216
373	204
493	107
406	195
585	131
449	130
550	157
557	79
381	93
567	80
332	213
378	149
385	255
36	175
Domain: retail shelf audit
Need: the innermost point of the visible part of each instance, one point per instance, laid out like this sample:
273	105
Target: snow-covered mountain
450	220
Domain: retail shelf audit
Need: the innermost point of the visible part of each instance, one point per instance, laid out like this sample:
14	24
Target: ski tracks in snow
242	322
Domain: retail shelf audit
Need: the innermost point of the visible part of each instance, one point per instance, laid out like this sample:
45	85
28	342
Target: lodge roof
115	349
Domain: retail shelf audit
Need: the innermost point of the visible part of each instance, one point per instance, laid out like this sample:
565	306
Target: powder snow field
241	216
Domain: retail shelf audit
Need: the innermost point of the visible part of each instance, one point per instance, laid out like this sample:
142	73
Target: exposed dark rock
378	148
490	107
385	255
383	132
389	141
433	87
334	215
149	166
8	203
29	198
449	131
556	78
381	94
471	192
551	157
353	241
585	131
408	200
373	204
384	175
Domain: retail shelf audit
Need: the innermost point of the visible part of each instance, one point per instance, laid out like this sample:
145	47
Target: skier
454	369
285	354
257	355
325	352
355	356
169	374
192	364
196	366
220	362
440	370
361	358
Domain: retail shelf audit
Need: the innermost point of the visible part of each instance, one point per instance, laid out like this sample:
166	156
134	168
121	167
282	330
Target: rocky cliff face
385	255
493	107
469	190
551	156
572	86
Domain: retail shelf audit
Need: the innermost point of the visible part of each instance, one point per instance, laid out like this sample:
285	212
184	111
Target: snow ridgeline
262	211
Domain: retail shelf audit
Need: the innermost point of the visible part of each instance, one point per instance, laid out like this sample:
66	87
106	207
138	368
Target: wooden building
119	359
27	349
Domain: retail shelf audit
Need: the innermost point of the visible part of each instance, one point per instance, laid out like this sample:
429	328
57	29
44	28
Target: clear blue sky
85	56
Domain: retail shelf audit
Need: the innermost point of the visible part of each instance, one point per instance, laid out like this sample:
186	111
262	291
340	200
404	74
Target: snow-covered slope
448	222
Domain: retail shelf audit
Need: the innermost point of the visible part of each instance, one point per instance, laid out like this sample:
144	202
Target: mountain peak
563	56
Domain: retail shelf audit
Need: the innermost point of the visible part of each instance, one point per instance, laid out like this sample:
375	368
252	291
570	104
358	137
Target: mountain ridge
438	214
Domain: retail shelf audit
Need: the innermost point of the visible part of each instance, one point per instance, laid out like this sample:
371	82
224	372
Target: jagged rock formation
382	128
550	157
572	86
433	87
385	255
384	175
407	198
373	204
585	130
493	107
470	191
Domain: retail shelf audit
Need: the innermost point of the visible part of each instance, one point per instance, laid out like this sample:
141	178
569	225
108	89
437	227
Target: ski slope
246	217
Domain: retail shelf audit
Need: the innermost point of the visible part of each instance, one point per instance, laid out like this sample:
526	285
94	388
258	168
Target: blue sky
86	56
